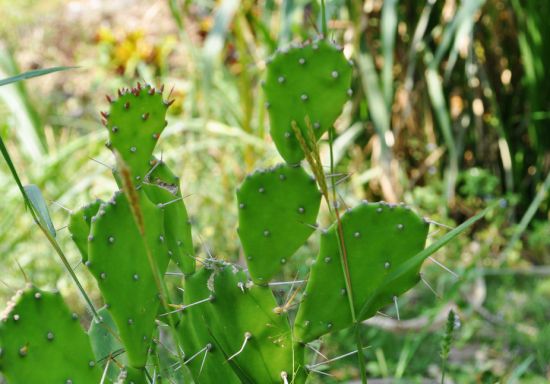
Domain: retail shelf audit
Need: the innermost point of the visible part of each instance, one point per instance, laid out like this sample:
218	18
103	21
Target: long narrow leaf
40	207
31	74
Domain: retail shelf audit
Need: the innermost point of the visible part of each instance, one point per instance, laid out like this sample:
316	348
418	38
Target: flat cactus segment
378	238
205	360
162	187
310	81
79	226
278	209
41	341
120	264
135	122
247	328
106	343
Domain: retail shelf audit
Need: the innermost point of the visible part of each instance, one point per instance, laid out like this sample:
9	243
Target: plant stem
345	265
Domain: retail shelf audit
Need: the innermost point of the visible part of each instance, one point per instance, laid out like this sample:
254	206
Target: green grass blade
388	29
31	74
40	207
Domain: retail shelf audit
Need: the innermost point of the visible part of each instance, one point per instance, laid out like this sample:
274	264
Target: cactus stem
396	307
442	266
247	336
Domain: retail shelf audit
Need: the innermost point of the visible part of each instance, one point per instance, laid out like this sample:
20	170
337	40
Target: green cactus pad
242	308
41	341
106	343
135	122
278	208
119	262
205	360
79	226
312	80
165	189
378	238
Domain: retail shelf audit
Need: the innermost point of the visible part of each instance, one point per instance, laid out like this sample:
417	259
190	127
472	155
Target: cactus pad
106	343
166	190
119	262
135	122
310	81
42	342
79	226
205	360
378	238
242	320
278	208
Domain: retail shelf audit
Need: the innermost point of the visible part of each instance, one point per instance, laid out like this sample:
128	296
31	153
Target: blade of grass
31	74
529	214
41	208
44	229
388	29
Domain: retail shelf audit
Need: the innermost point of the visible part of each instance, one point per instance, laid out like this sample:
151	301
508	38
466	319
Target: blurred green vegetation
451	110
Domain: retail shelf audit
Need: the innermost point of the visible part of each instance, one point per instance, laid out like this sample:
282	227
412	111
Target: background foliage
450	110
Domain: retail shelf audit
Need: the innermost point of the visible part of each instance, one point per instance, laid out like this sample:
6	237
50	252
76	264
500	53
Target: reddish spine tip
105	114
151	91
162	88
145	116
127	105
120	92
109	98
169	103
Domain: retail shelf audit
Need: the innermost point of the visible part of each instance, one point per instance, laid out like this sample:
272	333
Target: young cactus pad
42	342
242	320
106	343
119	261
378	238
165	192
79	226
278	208
205	361
307	83
135	122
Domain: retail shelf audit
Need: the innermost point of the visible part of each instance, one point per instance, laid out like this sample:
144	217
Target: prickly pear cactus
207	363
308	84
79	226
119	261
162	188
41	341
278	209
378	238
106	343
135	122
244	323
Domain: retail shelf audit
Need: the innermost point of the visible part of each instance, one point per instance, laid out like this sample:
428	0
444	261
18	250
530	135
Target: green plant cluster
228	326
